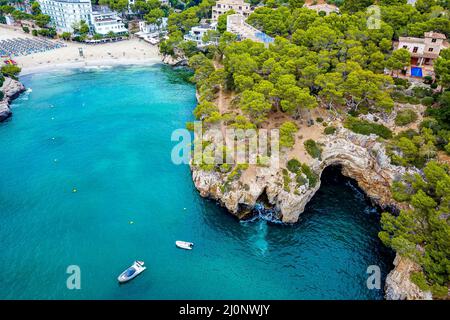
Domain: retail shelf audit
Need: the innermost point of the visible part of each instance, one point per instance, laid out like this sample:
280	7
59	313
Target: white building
65	13
196	34
423	50
239	6
104	22
151	32
145	27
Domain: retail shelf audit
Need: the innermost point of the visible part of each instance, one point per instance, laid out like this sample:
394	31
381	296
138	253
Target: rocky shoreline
177	60
361	158
11	89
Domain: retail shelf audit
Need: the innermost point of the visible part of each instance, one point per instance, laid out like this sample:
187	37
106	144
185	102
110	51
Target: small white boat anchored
184	245
132	272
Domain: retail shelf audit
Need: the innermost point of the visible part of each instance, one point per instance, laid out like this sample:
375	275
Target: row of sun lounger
26	46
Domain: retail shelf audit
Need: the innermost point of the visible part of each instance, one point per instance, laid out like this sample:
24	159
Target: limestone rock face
11	90
5	112
176	61
398	285
362	158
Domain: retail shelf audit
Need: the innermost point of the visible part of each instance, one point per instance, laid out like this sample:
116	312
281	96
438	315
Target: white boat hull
184	245
132	272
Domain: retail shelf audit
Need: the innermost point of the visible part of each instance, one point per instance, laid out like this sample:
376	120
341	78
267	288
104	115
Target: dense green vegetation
179	23
366	127
41	20
442	68
313	149
405	116
441	111
337	62
423	232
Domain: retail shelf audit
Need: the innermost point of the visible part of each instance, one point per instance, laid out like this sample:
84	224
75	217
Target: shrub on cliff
329	130
422	233
427	101
313	149
366	128
405	117
286	180
294	165
404	83
312	177
10	70
441	112
300	169
410	148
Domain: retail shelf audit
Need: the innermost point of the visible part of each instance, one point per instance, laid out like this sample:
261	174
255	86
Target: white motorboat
184	245
132	272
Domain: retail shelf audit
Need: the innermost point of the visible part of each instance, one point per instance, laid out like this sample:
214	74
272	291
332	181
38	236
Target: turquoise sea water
107	134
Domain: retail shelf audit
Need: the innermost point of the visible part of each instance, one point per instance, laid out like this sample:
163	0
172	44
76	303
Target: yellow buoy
131	222
74	190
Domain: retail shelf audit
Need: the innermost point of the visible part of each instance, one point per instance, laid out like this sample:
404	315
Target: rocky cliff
398	284
11	89
177	60
361	157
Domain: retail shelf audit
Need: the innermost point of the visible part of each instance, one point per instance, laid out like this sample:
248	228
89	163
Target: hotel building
65	13
104	22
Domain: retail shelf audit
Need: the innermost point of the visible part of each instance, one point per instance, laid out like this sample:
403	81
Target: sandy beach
127	52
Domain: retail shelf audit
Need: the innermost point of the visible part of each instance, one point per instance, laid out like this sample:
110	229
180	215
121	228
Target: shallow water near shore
106	135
